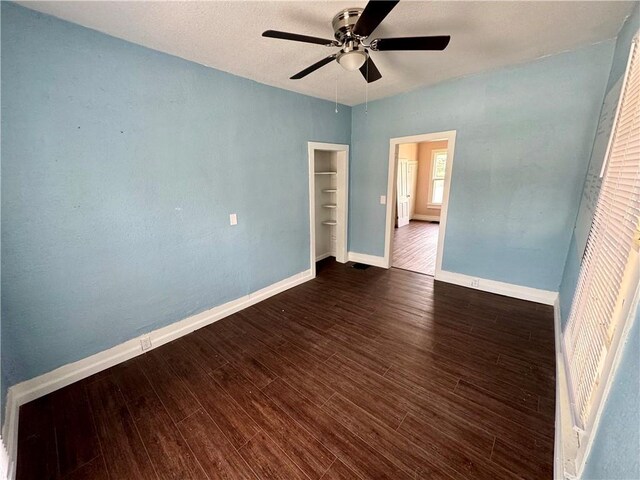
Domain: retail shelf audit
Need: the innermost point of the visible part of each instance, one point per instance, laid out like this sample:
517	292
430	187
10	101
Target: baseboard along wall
372	260
536	295
37	387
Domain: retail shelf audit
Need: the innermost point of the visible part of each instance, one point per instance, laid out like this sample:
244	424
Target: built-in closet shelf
329	190
326	173
329	205
330	222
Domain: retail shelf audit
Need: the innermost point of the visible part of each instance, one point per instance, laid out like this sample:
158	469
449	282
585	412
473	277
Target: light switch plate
383	199
233	219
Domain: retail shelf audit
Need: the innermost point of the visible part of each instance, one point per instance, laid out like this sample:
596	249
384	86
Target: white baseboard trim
6	468
367	259
4	460
426	218
546	297
29	390
10	434
323	256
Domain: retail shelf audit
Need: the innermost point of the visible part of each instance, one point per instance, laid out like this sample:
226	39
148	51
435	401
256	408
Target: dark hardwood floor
358	374
415	247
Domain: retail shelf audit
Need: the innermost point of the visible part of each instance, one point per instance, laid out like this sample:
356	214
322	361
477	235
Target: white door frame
450	137
341	249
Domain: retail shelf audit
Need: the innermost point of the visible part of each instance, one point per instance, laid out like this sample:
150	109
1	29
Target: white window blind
598	303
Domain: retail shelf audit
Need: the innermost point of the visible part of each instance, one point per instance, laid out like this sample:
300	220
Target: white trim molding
426	218
546	297
373	260
44	384
566	439
5	467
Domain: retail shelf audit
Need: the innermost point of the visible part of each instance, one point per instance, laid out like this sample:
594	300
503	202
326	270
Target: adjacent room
421	171
320	240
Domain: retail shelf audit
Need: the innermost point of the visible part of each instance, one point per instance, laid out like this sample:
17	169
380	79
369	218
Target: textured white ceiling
227	36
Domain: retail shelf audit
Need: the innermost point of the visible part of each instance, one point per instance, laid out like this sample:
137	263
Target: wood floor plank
356	454
339	471
37	455
357	388
219	459
397	448
122	446
76	437
269	461
297	376
528	418
234	422
166	447
95	469
415	247
202	352
525	461
301	447
515	396
170	388
357	374
234	351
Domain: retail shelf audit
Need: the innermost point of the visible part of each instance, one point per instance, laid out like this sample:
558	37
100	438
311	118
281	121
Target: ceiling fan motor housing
344	22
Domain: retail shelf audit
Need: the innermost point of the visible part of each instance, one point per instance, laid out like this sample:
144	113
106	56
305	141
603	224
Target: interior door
412	183
403	192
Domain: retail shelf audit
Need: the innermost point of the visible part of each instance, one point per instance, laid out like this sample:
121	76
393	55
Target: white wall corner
37	387
537	295
372	260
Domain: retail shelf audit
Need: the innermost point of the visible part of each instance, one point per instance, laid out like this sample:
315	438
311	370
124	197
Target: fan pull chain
366	92
336	94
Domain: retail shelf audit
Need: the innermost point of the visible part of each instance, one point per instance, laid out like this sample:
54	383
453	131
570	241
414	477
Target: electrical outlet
383	199
145	343
233	219
475	282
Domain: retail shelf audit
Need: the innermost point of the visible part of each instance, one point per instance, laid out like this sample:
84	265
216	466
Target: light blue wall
615	454
120	167
583	220
524	136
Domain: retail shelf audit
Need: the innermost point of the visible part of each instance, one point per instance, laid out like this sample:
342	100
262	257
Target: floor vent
360	266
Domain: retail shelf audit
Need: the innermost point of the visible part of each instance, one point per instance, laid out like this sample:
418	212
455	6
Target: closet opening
328	202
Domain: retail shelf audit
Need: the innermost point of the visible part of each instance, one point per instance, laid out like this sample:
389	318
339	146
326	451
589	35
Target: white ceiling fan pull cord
336	94
366	92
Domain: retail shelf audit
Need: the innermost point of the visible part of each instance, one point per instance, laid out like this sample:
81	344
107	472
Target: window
439	167
606	282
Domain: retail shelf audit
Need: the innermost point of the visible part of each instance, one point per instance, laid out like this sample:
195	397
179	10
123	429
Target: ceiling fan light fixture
352	60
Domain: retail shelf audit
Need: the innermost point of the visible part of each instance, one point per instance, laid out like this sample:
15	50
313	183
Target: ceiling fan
352	27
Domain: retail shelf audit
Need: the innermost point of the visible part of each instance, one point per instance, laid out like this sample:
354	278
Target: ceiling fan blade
313	67
369	71
411	43
299	38
373	14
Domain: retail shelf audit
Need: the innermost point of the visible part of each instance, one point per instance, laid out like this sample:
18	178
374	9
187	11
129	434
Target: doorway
418	189
328	202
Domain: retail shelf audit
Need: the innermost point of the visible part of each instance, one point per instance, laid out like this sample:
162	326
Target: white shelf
330	190
329	205
330	222
326	173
